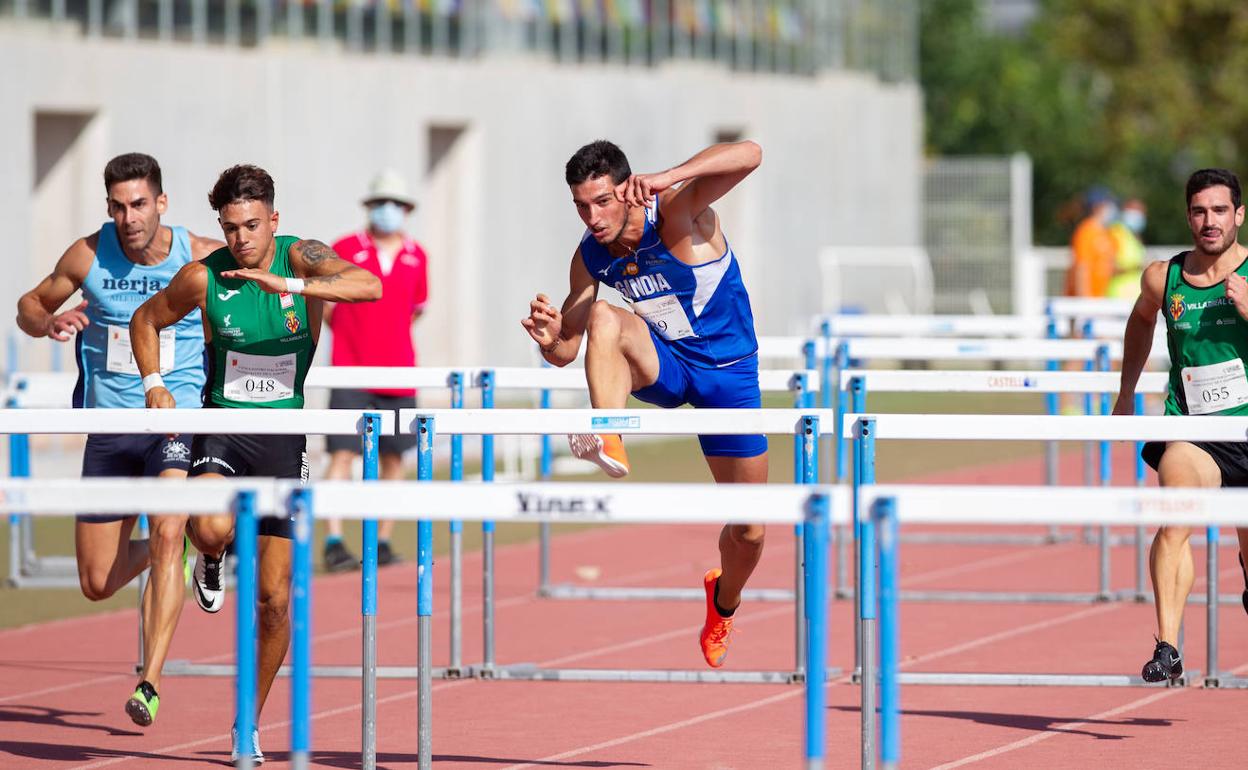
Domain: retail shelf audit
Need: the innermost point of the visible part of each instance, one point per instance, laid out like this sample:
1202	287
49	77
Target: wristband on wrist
152	380
294	285
551	347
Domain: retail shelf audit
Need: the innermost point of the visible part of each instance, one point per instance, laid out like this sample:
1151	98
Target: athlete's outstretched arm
325	276
1137	341
708	176
185	292
36	310
558	332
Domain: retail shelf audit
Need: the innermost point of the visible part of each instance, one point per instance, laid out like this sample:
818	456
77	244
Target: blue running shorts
734	386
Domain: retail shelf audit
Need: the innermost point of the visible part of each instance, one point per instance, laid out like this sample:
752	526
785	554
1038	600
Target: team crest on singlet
292	321
1177	306
631	269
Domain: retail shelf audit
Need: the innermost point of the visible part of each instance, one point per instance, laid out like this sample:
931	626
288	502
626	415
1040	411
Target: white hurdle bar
802	383
860	382
491	422
602	503
875	325
54	390
867	429
1080	309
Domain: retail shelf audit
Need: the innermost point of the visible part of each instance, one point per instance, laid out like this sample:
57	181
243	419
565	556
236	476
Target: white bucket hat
388	185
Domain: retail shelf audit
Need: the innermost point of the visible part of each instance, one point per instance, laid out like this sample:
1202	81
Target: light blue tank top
114	289
702	311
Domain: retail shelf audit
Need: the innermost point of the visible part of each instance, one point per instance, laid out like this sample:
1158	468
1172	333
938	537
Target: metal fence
790	36
977	229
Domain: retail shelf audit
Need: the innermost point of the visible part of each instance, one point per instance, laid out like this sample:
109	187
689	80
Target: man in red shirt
376	334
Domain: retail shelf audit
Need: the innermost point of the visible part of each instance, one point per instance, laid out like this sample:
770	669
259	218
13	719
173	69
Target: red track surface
62	685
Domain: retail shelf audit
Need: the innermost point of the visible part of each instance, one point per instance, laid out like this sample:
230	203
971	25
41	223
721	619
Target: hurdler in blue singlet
108	378
701	324
114	288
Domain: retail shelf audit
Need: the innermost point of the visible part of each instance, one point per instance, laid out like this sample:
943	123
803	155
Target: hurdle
860	382
248	499
891	504
877	325
869	428
800	383
426	502
52	390
1080	309
804	423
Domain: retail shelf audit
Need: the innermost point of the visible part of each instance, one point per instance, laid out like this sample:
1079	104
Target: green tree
1130	94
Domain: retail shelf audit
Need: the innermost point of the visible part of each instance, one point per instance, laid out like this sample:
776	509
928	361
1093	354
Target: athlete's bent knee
94	584
603	322
748	535
274	612
1174	537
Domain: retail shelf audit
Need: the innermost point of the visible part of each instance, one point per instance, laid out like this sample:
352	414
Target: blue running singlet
702	312
114	288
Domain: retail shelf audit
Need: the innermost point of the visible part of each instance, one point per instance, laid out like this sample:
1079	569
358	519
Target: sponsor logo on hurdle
622	422
1167	507
564	507
1010	381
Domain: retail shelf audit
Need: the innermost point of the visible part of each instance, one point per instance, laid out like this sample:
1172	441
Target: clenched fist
1237	293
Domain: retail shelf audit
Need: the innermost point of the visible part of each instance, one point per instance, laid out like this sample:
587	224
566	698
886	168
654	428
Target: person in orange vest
1093	250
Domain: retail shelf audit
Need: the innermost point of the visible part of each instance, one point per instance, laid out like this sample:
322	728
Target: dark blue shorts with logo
132	456
734	386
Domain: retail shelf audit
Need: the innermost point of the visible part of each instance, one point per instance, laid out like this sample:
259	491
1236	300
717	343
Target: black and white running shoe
1166	664
208	587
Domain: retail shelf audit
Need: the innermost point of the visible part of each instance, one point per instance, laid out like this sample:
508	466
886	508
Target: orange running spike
717	630
607	452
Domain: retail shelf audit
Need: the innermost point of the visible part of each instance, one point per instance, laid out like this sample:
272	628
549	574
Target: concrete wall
842	160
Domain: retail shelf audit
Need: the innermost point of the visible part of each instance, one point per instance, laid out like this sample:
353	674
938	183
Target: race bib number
259	379
121	356
665	316
1215	387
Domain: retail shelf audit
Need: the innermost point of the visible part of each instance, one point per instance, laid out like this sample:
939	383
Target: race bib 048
259	379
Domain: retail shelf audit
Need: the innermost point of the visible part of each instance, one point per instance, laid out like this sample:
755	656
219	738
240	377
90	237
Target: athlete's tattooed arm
326	276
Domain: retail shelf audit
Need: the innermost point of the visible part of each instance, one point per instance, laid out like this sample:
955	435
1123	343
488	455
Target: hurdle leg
301	632
245	624
803	467
1211	608
487	537
810	472
368	601
816	560
843	533
456	531
424	602
1141	558
543	529
867	615
890	693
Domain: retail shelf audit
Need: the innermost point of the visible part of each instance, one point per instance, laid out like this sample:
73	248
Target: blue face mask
386	217
1134	220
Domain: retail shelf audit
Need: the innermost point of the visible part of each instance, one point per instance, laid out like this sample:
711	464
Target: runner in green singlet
1203	296
262	297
